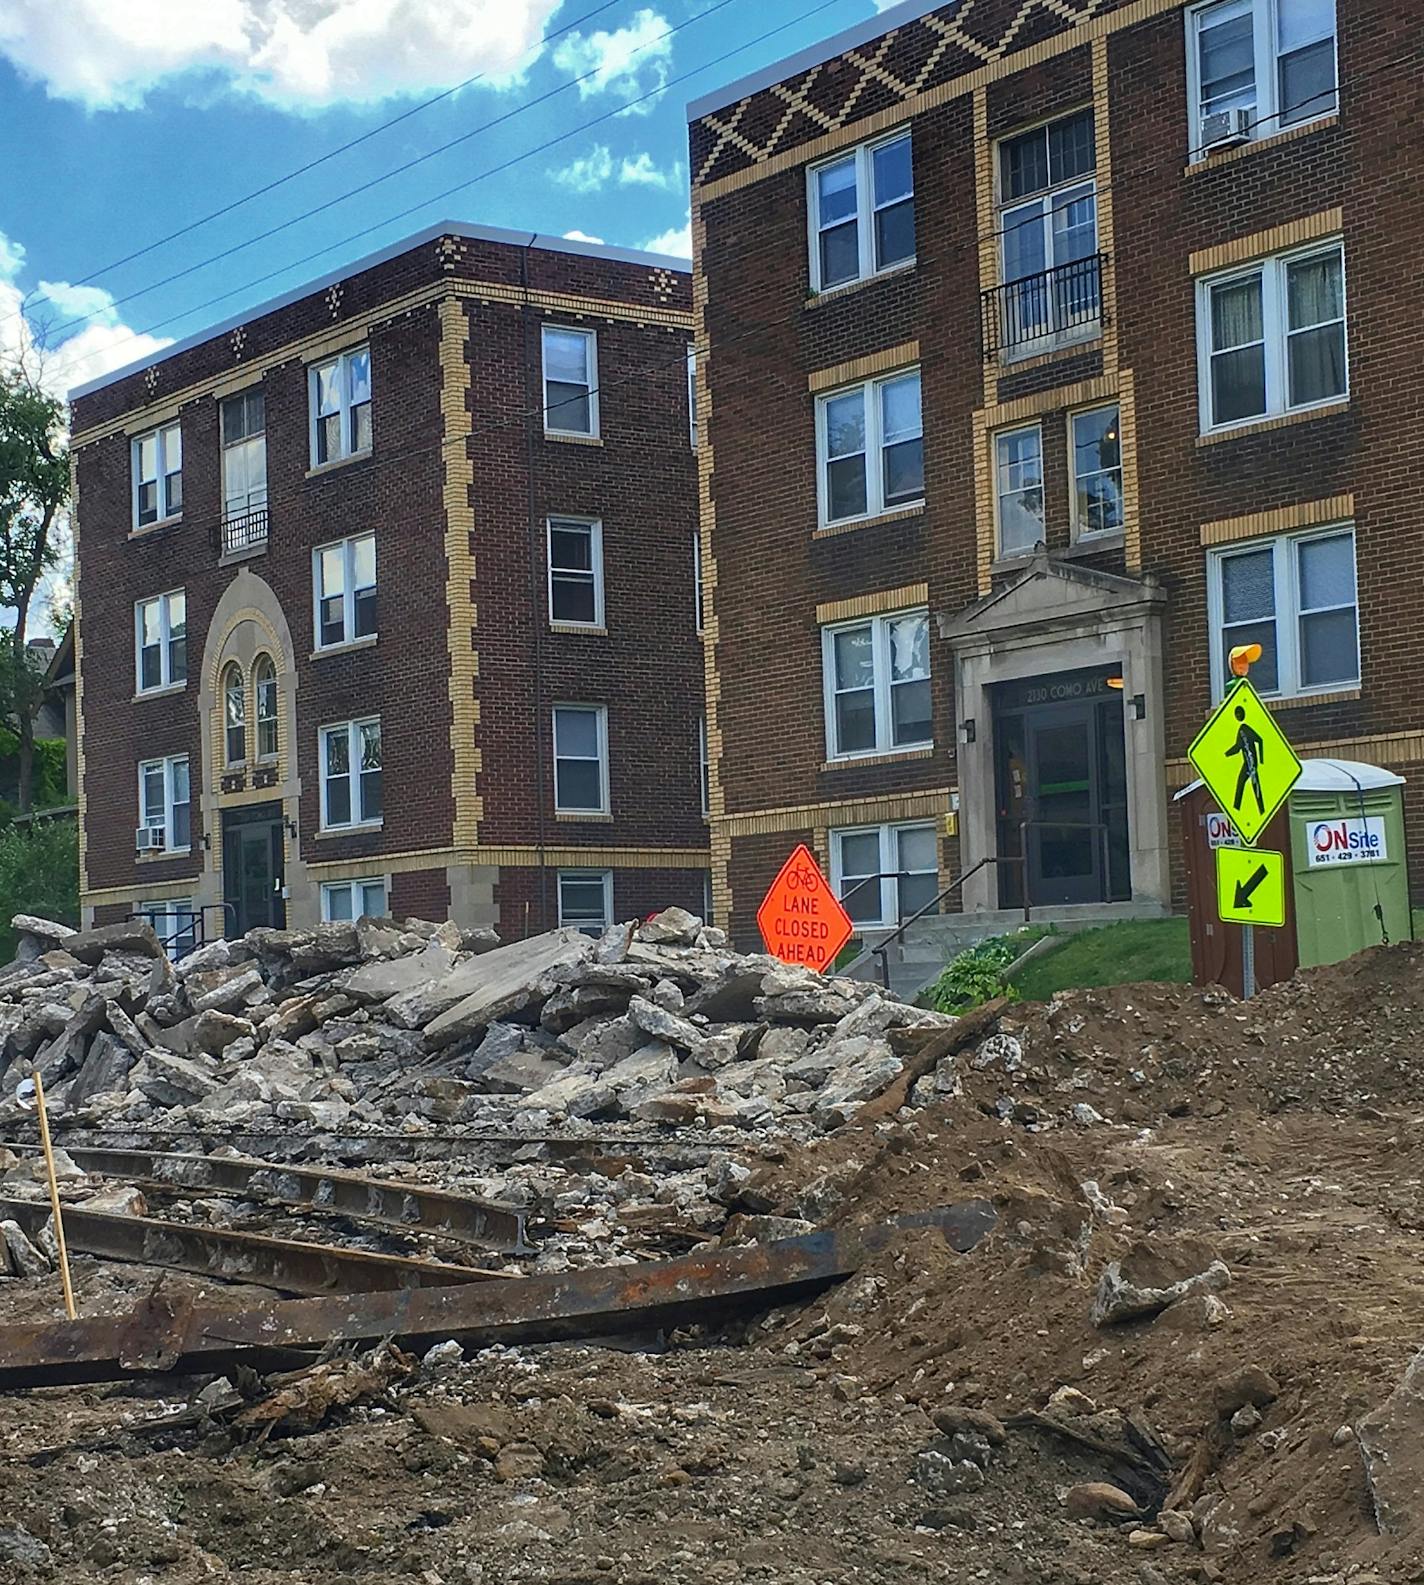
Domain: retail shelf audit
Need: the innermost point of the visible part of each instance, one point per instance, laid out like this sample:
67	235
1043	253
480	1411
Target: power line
311	165
376	181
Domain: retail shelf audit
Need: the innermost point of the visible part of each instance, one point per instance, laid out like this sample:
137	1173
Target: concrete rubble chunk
663	1024
1119	1299
23	1259
129	935
672	927
175	1081
223	990
498	983
107	1067
35	935
213	1033
576	1092
379	981
1391	1440
212	955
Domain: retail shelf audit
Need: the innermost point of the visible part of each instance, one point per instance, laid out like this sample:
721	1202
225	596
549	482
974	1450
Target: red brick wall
526	907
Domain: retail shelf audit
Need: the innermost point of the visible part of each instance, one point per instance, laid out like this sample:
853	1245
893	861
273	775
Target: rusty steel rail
280	1263
169	1333
410	1208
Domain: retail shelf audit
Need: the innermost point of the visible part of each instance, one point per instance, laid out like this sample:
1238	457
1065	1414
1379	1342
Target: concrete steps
917	957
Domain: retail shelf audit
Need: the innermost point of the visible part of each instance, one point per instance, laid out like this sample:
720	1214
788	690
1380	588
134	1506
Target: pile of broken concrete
357	1026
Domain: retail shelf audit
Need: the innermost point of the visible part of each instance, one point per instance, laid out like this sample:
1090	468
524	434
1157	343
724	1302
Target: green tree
39	874
34	489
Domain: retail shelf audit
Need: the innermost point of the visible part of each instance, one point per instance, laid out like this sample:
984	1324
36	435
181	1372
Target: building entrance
1061	789
252	868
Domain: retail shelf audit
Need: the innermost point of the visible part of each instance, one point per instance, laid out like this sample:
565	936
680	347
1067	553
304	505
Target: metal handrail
1042	305
197	924
244	531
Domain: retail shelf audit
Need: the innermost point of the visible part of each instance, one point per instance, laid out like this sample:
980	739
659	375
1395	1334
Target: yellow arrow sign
1246	761
1251	886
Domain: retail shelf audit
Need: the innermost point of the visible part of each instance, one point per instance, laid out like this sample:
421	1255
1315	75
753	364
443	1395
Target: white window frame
1286	573
164	438
591	338
698	593
349	592
164	914
586	877
359	820
350	886
168	762
254	499
342	363
692	396
888	887
884	718
1275	326
704	766
1081	531
865	211
231	670
601	714
1001	551
874	449
164	602
1265	118
594	526
258	719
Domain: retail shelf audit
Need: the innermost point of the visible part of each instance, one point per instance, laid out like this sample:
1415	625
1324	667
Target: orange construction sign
801	918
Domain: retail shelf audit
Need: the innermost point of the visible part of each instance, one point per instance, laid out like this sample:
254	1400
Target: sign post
801	918
1249	766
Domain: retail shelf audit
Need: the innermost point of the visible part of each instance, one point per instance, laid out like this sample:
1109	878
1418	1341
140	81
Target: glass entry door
252	869
1064	842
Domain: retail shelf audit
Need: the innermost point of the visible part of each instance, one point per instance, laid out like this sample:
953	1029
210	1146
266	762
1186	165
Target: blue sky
122	123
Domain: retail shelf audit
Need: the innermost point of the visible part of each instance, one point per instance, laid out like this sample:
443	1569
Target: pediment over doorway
1051	594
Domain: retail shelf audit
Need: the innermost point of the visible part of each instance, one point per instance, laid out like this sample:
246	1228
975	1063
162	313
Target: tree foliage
39	874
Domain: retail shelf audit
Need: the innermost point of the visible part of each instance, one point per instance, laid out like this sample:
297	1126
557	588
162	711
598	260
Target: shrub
39	874
976	975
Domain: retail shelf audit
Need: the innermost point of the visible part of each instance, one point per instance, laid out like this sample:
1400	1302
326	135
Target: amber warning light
801	918
1243	658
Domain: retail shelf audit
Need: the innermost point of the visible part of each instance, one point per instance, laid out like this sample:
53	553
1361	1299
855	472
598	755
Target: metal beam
170	1334
280	1263
408	1207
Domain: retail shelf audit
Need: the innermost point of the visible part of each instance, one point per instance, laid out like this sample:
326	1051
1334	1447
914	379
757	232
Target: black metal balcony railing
245	532
1060	304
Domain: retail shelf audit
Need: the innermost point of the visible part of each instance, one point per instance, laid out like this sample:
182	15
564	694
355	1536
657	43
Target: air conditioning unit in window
1224	129
149	839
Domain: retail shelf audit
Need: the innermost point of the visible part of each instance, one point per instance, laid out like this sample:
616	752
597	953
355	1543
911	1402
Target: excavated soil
1282	1137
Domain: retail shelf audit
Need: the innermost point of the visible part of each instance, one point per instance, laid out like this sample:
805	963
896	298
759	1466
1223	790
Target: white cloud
298	54
618	61
677	242
642	171
588	173
582	236
64	302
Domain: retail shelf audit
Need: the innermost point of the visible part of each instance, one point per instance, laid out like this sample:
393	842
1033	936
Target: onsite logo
1348	840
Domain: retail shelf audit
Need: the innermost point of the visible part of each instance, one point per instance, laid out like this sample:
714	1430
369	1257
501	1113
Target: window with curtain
264	678
877	684
870	444
1272	337
1018	496
234	715
1273	60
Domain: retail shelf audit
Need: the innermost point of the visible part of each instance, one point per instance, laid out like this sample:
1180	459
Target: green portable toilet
1350	877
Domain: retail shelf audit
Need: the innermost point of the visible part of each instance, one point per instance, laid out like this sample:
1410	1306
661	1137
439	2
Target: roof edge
813	55
443	228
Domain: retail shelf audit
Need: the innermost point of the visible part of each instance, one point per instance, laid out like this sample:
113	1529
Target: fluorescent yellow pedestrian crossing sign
1246	761
1251	886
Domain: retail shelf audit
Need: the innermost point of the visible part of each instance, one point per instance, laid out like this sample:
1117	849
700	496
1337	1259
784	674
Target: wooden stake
54	1199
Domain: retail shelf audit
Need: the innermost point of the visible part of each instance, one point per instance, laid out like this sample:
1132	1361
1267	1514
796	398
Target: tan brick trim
1102	142
576	307
1218	437
1213	162
1127	450
1380	748
835	293
1275	239
862	810
460	615
1279	520
898	515
344	338
901	599
1335	696
864	761
1006	65
609	857
1084	393
984	220
863	368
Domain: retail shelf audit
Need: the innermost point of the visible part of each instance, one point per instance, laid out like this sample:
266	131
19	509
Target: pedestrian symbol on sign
1246	760
1249	746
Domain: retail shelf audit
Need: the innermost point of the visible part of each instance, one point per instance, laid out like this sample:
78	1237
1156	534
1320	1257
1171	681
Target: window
586	900
1271	339
343	900
350	774
1295	597
570	381
871	448
697	577
1097	471
580	759
161	636
704	765
244	459
234	716
158	475
692	396
264	685
862	208
576	571
877	684
164	801
341	407
906	860
1048	225
1018	492
1271	60
344	575
174	922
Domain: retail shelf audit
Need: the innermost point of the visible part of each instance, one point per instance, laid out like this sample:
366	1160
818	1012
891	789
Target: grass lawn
1121	954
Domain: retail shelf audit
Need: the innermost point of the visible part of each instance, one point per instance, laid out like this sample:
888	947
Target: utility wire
311	165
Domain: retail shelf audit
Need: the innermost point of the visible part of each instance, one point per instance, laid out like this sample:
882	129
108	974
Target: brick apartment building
1055	346
386	599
